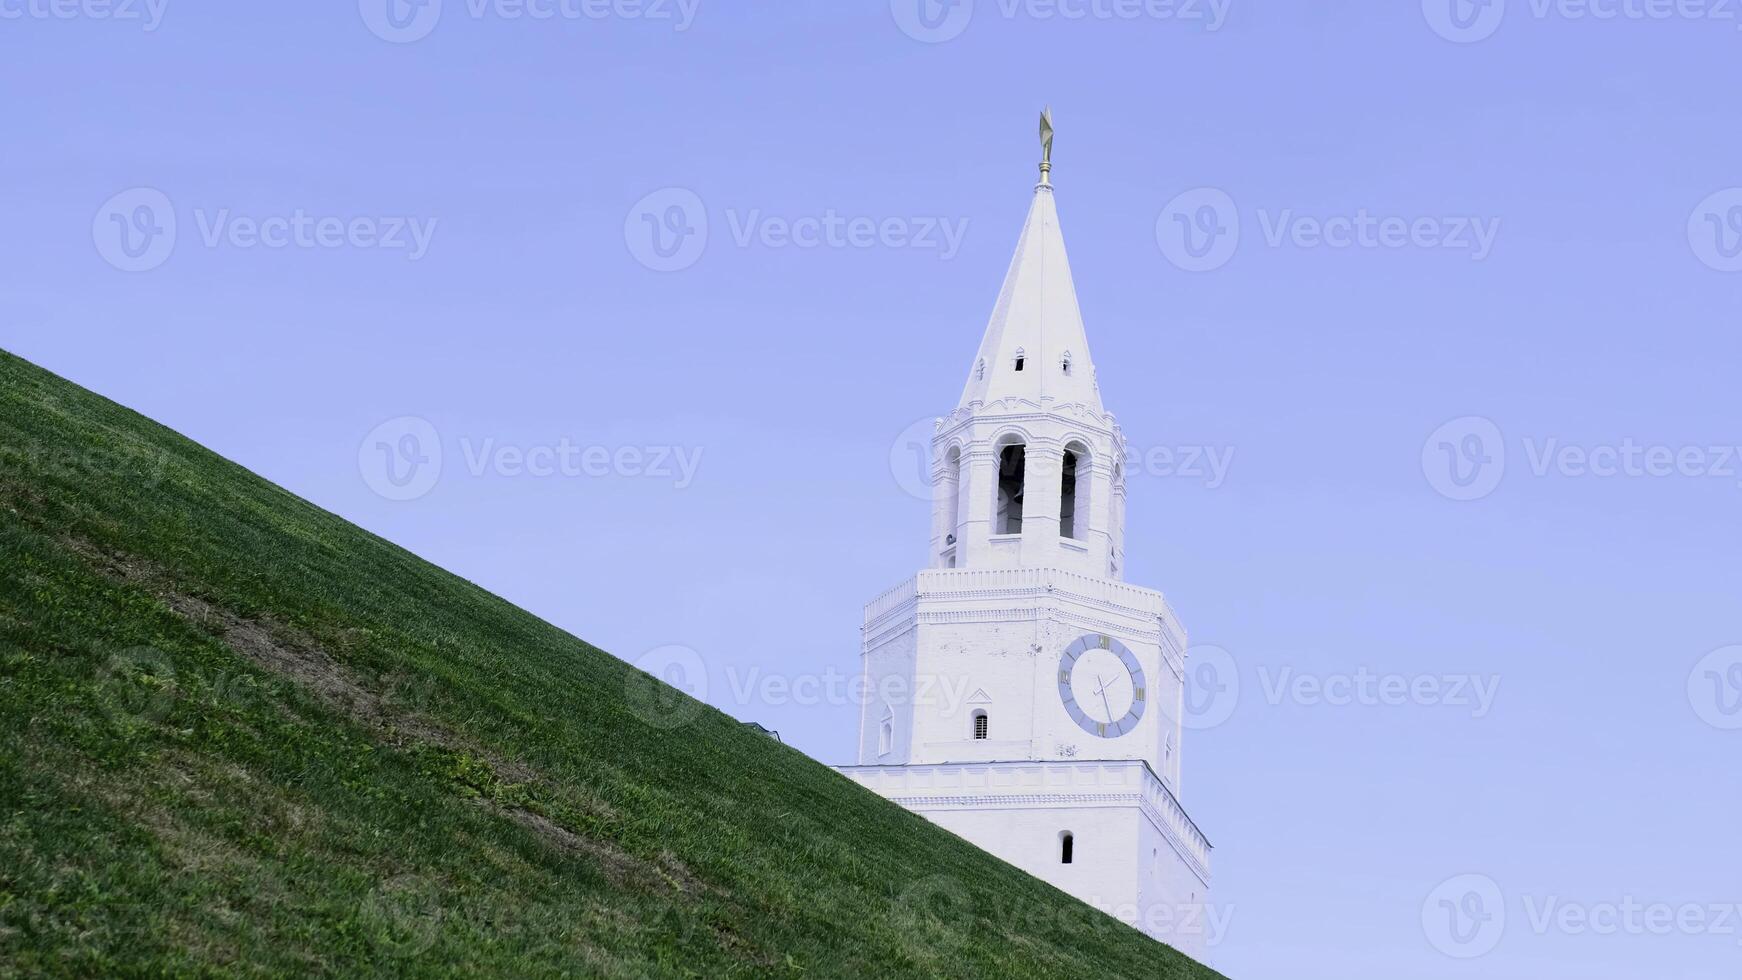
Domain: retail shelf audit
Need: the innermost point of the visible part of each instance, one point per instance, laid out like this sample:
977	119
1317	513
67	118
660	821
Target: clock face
1101	684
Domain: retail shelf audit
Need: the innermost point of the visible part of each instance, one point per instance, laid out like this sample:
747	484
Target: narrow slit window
1067	844
1021	358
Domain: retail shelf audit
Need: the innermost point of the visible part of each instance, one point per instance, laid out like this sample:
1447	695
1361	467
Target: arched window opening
1021	358
981	726
1074	493
1011	466
886	732
1066	362
951	492
1067	844
1068	497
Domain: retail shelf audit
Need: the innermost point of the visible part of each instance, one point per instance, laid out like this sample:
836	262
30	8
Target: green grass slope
243	737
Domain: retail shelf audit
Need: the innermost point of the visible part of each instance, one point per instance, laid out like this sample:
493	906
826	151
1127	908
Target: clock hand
1109	707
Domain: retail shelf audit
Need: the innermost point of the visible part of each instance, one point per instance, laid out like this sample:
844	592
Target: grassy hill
243	737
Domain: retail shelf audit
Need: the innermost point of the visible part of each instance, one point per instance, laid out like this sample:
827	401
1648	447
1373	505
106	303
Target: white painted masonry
1079	676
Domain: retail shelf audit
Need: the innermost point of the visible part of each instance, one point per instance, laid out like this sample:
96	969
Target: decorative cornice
1152	796
898	608
1019	410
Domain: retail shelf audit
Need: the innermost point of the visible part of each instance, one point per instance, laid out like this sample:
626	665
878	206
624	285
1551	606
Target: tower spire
1046	146
1034	348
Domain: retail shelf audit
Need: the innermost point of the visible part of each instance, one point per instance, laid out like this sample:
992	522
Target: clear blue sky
1602	313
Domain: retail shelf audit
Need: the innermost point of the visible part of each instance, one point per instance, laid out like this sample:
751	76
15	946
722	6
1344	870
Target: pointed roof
1036	317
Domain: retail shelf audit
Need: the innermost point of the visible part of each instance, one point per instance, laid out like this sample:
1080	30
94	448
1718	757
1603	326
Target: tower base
1133	851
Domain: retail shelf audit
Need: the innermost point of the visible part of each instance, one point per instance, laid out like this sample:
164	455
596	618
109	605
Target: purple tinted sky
1606	769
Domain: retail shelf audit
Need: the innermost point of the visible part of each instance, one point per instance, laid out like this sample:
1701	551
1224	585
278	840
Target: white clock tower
1021	694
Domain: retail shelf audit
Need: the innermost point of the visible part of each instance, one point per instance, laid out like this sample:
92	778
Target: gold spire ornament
1046	145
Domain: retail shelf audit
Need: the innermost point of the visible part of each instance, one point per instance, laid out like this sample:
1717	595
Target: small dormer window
1021	358
1066	362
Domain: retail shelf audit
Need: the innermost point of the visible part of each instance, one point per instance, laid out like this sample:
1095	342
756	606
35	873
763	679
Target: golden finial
1046	145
